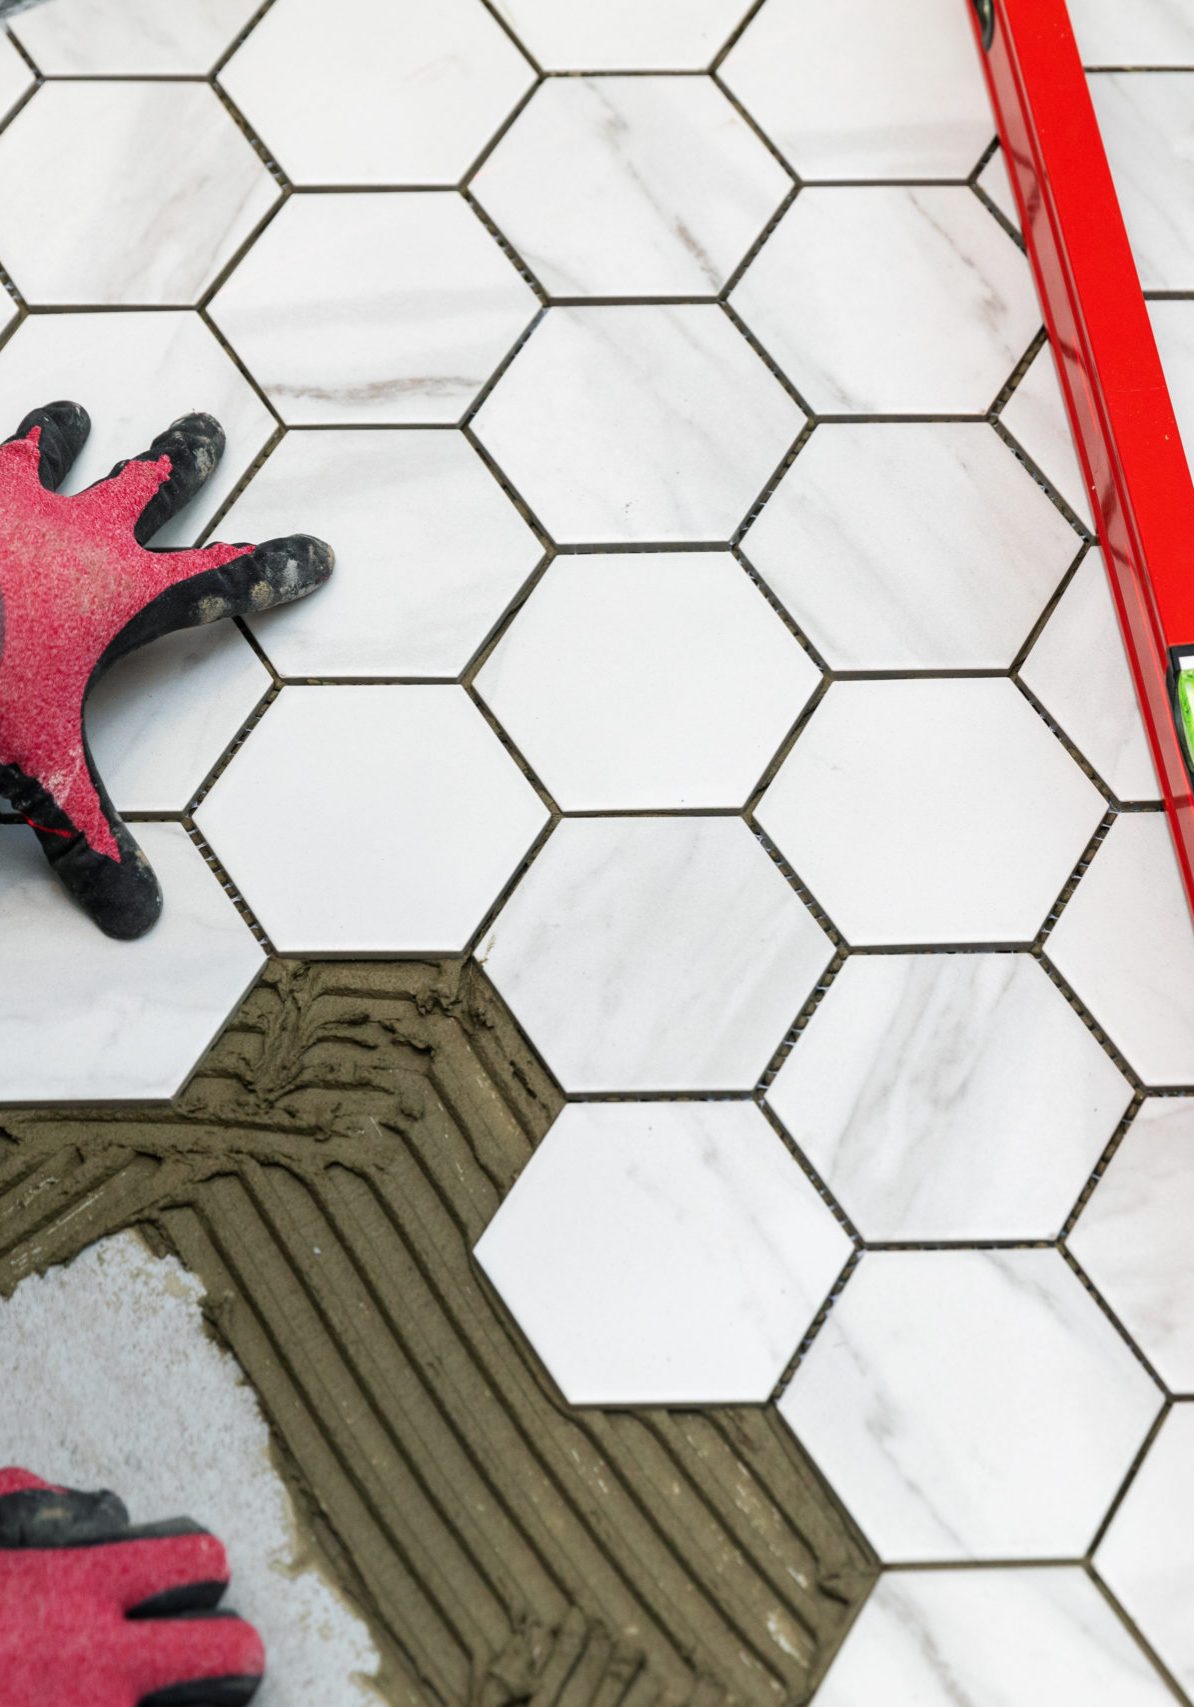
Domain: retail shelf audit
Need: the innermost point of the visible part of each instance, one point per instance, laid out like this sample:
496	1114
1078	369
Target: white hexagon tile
1132	1237
164	190
1109	34
631	186
415	819
132	38
1124	945
1146	1556
891	300
622	35
16	79
92	1018
655	954
931	811
429	86
938	1638
429	551
949	1096
1145	123
612	714
373	307
669	405
1078	669
1035	416
971	1405
919	546
819	81
663	1253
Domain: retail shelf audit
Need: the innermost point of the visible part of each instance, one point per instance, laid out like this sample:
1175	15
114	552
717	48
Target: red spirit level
1115	393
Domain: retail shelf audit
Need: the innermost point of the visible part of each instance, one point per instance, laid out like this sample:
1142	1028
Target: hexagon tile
671	405
369	308
611	718
655	954
931	812
663	1253
429	86
412	819
919	546
971	1405
950	1096
164	190
631	186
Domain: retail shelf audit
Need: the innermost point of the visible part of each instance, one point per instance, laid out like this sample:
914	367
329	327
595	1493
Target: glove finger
208	1658
194	445
121	896
62	432
269	574
59	1517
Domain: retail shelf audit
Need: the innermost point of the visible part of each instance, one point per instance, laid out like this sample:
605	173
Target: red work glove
94	1613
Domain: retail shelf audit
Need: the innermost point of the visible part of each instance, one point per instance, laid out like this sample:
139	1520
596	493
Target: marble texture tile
891	300
655	954
971	1405
1148	32
631	186
923	545
129	38
839	93
1147	1555
373	307
429	551
653	424
949	1096
1124	944
994	182
15	76
941	1639
663	1253
163	191
621	35
1148	132
82	1338
135	373
427	820
983	813
1173	328
1079	671
410	95
647	679
92	1018
1133	1237
160	719
1035	416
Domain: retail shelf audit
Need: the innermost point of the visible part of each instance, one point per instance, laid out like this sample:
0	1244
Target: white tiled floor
605	543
